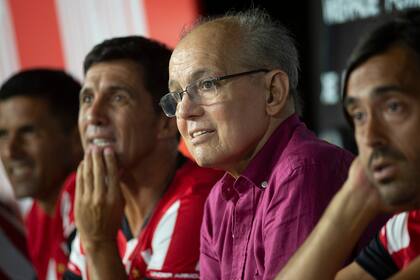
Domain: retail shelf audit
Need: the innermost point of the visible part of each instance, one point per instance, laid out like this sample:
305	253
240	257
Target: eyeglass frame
215	79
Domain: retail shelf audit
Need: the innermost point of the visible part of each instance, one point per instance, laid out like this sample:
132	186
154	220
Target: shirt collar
260	168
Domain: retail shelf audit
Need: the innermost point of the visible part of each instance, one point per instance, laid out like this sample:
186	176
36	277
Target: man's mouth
200	135
102	142
20	170
384	172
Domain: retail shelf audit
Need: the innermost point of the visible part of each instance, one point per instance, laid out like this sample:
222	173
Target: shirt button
264	184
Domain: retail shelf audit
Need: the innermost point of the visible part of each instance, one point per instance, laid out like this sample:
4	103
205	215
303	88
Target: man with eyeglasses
233	84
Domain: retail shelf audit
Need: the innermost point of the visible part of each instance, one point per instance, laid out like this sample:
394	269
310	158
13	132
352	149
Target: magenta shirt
253	225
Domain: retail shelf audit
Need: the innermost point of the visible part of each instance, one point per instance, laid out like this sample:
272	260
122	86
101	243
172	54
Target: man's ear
167	127
278	92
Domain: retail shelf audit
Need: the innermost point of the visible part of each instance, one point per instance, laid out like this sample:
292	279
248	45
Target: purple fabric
254	224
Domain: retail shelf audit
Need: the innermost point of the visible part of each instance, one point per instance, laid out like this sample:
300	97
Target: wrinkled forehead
210	48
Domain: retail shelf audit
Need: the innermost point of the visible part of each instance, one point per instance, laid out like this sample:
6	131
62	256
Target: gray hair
267	43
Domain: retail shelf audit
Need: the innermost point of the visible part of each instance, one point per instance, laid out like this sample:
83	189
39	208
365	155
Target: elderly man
139	203
382	100
40	148
233	90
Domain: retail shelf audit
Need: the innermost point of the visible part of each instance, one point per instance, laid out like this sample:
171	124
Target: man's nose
374	132
96	113
188	108
12	147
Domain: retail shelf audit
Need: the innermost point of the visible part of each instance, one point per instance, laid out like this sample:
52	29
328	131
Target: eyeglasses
203	92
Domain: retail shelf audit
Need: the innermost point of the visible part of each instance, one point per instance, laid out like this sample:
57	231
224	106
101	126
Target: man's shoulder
191	178
304	149
69	184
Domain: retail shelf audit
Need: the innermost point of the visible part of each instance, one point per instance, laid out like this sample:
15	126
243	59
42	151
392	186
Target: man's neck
49	203
144	185
238	167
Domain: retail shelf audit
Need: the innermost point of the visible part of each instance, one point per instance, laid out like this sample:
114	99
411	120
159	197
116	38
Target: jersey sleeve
375	259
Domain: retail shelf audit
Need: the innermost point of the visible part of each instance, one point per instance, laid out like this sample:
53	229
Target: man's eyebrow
375	93
383	90
129	90
83	90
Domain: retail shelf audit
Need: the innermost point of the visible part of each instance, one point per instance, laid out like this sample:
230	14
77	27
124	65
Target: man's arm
98	211
323	253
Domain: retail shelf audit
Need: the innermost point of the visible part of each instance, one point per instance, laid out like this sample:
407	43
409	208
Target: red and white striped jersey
49	237
168	246
401	237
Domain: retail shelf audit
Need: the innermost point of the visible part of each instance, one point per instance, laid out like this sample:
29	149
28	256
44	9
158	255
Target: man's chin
397	195
23	194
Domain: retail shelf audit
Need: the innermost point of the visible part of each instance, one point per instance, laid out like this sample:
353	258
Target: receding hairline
231	33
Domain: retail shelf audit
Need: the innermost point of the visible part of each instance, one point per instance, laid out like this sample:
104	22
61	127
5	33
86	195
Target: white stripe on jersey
52	270
65	204
77	260
397	233
163	236
129	248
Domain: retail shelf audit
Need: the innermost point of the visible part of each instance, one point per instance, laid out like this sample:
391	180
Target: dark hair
152	56
267	43
403	30
60	90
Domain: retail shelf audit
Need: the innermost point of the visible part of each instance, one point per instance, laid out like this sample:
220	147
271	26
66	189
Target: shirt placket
241	228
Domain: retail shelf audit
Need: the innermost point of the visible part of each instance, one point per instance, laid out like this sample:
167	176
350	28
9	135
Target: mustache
385	152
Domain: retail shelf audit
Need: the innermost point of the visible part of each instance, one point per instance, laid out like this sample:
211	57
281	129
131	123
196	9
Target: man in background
40	148
382	102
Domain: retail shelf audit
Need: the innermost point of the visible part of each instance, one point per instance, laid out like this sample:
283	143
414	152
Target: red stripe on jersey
37	33
165	19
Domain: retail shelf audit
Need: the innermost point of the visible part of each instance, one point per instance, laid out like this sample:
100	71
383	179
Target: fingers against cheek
98	174
79	190
112	172
87	174
79	181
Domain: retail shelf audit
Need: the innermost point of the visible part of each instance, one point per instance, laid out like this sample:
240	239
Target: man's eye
394	106
118	97
358	117
86	99
3	133
207	85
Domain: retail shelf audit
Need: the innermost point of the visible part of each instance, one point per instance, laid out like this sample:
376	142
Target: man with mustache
382	102
139	202
40	148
